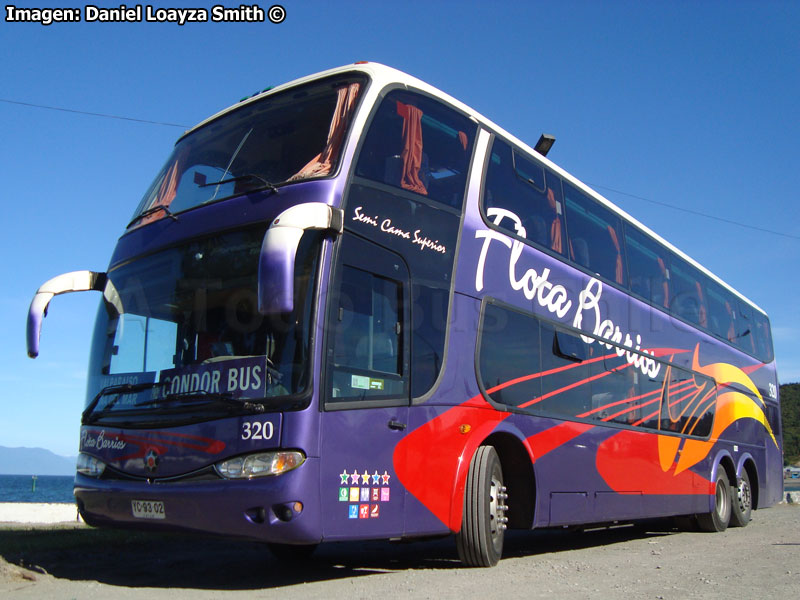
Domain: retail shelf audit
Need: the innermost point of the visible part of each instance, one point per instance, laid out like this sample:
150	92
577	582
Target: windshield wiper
264	183
227	399
121	389
150	211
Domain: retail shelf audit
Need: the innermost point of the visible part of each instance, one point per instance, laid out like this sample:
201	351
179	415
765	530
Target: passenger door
366	392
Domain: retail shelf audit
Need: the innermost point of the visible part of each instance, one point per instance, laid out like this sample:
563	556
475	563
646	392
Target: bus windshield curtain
322	163
618	274
555	227
462	137
412	148
167	191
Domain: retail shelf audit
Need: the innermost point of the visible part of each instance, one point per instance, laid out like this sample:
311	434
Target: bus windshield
283	138
178	333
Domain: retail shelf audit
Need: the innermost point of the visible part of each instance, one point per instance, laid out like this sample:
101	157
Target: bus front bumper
281	509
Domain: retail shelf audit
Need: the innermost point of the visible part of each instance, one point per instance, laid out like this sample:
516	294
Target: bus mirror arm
76	281
279	251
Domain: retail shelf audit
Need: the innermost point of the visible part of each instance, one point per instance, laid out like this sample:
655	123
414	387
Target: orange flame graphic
731	406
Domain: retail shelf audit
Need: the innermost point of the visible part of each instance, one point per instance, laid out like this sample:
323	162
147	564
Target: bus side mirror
76	281
279	251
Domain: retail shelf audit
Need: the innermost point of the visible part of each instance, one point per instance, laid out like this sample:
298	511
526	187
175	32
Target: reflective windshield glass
183	329
290	136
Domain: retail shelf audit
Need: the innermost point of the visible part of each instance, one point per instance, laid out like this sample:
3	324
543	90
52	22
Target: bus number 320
257	430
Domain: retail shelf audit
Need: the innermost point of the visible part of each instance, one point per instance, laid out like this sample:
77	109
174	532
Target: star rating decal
363	494
356	478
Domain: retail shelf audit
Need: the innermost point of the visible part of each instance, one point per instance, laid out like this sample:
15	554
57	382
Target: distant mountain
34	461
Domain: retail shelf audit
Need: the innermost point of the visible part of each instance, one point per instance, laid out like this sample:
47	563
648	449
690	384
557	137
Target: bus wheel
720	516
291	552
480	541
742	506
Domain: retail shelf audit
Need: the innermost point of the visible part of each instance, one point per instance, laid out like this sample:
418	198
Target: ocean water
46	488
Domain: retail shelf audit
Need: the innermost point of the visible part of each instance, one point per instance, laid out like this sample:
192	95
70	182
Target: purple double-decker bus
350	307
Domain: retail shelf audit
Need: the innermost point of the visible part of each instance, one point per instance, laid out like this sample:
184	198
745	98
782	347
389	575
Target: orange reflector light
465	428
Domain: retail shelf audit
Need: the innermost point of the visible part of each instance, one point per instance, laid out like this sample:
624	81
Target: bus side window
429	310
419	145
615	392
721	315
688	298
509	357
566	389
522	186
763	336
595	236
677	401
745	329
648	268
368	336
368	354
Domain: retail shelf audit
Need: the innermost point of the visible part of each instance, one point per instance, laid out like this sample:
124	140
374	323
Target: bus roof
383	75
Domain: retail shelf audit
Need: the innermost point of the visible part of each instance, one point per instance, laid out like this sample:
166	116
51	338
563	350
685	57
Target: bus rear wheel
742	505
480	541
720	515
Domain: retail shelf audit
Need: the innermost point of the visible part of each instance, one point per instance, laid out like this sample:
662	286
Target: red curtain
462	137
322	163
556	243
619	271
412	148
167	191
555	236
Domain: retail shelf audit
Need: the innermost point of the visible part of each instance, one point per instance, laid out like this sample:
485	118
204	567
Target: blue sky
684	103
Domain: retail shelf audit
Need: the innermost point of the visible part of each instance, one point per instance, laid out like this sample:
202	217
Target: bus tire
742	502
720	515
480	541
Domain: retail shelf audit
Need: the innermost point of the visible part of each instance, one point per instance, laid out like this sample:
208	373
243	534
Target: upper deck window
687	295
517	184
722	311
419	145
291	136
523	197
648	266
595	236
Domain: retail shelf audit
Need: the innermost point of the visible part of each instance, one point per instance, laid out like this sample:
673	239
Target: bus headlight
260	464
89	465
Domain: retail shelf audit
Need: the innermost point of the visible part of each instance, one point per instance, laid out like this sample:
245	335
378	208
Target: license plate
148	509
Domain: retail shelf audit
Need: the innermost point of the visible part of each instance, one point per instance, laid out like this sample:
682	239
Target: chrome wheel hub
497	511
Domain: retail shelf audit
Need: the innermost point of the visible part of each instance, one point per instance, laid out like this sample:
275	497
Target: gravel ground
654	561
